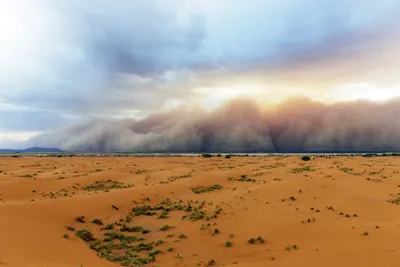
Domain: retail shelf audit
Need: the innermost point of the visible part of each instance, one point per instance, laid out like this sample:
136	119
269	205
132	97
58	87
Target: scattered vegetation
166	227
396	200
242	178
80	219
143	210
85	235
303	169
97	221
255	240
202	189
182	236
211	262
291	247
215	231
105	185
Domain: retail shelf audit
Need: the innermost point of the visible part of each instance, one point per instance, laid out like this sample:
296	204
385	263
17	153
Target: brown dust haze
242	125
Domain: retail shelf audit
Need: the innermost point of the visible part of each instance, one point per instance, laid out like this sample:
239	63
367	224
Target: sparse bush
109	226
80	219
105	185
134	229
163	215
211	262
305	158
85	235
182	236
97	221
251	241
216	231
143	210
155	252
165	227
201	189
254	240
228	244
159	242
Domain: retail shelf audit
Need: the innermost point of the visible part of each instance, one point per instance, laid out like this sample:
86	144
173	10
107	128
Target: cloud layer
297	125
66	62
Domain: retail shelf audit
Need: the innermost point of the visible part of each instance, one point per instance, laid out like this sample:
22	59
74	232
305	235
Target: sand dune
324	212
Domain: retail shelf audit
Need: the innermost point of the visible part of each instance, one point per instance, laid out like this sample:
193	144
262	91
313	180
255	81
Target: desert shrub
80	219
216	231
165	227
143	210
201	189
182	236
109	226
97	221
211	262
306	158
85	235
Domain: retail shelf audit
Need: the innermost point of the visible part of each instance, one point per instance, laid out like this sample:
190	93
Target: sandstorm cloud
67	62
241	125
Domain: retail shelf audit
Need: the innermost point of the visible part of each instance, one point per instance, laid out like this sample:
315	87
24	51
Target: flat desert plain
194	211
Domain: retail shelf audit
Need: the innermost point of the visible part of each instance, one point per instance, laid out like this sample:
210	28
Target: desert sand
242	211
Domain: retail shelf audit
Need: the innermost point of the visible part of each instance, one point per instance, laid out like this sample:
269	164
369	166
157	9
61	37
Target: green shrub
97	221
165	227
85	235
80	219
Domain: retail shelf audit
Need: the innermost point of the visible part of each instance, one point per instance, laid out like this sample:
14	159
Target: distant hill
31	149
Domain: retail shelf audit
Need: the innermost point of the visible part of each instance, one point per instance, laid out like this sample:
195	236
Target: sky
71	64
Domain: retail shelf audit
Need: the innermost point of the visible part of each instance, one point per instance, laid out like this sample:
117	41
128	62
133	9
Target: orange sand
32	222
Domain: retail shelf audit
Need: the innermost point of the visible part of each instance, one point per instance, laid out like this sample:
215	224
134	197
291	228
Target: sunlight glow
357	91
212	97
